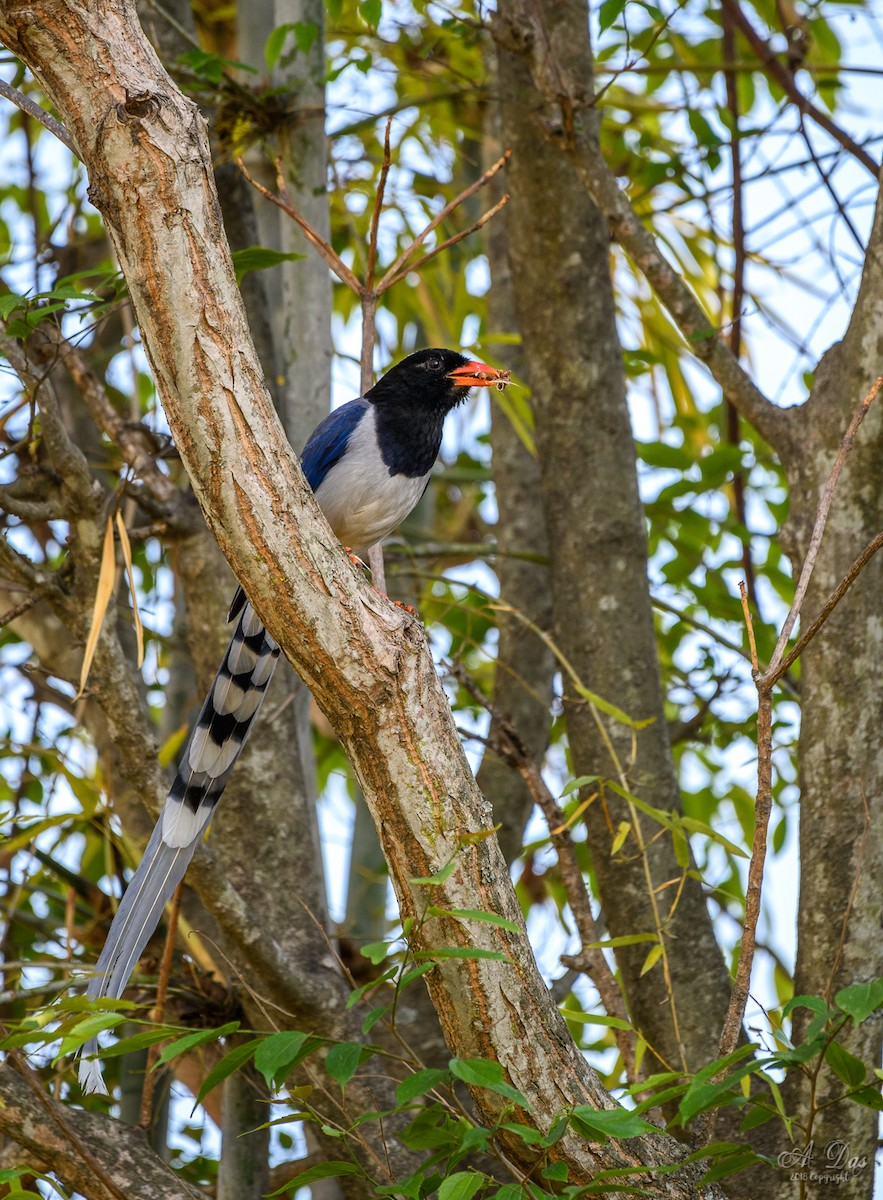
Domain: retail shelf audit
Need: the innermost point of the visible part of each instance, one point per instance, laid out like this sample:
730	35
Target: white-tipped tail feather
212	749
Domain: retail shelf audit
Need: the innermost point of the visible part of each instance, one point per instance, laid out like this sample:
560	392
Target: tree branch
27	105
89	1152
786	81
528	37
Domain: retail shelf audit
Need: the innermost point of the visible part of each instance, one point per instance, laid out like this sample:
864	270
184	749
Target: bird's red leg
398	603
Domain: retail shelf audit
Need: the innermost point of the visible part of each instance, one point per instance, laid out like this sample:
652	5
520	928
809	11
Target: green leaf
342	1060
845	1065
420	1083
192	1040
139	1041
88	1028
442	875
608	12
259	258
816	1005
585	1018
370	12
627	939
232	1061
275	43
529	1135
475	914
610	1122
462	1185
869	1096
414	974
859	1000
442	953
277	1054
373	1017
653	956
612	710
705	1092
695	826
482	1072
575	784
333	1169
375	952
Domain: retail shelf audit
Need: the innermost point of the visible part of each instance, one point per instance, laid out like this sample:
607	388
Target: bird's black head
412	400
433	381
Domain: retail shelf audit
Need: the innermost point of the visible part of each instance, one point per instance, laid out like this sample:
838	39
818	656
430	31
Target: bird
368	463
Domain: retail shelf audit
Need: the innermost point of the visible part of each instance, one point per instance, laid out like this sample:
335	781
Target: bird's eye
435	363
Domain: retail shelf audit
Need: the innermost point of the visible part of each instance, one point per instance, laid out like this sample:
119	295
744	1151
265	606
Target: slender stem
369	331
819	526
27	105
410	250
732	1027
389	280
162	991
875	544
335	262
749	625
375	218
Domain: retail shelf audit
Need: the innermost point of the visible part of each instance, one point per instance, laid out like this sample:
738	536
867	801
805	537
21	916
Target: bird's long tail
212	749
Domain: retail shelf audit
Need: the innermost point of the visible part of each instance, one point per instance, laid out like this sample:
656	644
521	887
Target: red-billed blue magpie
368	463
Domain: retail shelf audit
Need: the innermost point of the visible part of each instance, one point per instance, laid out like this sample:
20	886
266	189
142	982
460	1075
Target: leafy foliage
667	132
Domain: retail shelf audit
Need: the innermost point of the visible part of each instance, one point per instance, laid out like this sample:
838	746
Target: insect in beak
478	374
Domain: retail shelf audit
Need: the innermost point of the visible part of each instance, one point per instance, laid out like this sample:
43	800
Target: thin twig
743	594
512	749
56	1115
162	990
22	607
734	338
375	215
732	1027
786	81
819	526
418	241
335	262
29	106
446	245
828	607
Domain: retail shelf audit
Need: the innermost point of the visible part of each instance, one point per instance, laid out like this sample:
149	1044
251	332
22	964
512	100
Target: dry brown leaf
102	599
127	555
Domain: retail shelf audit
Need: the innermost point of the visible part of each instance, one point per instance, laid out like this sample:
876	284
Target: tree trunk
560	264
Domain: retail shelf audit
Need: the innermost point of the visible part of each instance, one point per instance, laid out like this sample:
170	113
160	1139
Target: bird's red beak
477	374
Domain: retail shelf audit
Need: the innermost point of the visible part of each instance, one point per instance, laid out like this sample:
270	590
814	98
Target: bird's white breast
362	502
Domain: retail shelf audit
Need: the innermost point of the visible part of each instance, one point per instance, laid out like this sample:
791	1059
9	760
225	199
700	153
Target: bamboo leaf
103	594
127	557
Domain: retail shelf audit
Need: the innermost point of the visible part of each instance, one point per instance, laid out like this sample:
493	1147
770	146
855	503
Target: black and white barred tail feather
212	749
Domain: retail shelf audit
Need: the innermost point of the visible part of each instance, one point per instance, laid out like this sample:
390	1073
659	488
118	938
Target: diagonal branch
522	32
90	1153
29	106
819	529
786	81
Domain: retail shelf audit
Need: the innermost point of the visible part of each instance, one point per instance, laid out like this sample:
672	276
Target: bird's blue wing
329	440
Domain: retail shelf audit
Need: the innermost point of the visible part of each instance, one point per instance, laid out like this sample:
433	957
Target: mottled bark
525	665
298	293
560	266
840	912
53	1137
